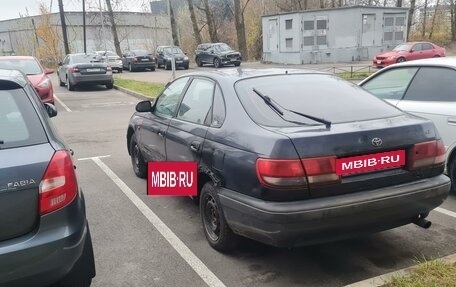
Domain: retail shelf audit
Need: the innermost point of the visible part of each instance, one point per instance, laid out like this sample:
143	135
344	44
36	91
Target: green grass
428	274
354	75
150	90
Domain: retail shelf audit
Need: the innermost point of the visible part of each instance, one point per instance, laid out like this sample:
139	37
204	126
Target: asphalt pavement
158	241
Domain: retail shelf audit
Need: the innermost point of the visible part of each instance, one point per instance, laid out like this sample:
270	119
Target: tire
186	67
62	84
218	234
436	56
69	85
198	62
120	70
400	60
152	69
110	86
168	66
237	64
130	68
452	174
137	160
217	63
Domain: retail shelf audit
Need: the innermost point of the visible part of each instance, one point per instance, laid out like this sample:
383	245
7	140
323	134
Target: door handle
452	121
195	146
161	133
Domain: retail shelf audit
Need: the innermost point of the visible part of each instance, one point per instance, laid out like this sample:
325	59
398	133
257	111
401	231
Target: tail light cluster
425	154
135	59
74	70
308	172
59	186
108	69
297	173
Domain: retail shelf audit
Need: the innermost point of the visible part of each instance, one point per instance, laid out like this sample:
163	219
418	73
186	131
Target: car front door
432	95
416	52
186	132
155	124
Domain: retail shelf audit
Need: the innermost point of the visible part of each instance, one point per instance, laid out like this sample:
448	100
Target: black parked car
135	60
82	70
165	54
218	54
44	234
292	157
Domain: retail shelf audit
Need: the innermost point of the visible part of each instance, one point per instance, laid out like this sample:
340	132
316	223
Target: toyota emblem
377	142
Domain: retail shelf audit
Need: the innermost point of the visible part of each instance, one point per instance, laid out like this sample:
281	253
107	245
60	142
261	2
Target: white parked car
426	88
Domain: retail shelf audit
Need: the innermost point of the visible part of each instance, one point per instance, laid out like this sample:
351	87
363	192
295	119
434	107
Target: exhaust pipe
421	221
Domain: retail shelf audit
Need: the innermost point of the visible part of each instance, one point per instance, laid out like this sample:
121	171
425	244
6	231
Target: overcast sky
12	8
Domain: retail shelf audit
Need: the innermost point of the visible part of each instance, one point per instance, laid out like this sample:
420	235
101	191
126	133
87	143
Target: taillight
135	59
108	69
59	185
320	170
74	69
281	173
426	154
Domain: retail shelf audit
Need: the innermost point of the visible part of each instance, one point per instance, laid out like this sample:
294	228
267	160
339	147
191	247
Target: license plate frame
93	70
379	62
144	60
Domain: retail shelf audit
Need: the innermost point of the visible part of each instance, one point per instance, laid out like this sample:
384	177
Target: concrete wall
332	35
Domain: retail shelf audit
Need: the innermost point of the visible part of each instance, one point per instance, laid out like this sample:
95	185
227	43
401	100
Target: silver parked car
426	88
114	60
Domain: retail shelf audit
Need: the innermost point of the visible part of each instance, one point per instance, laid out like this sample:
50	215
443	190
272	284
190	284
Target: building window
309	41
289	24
388	36
289	43
321	40
309	25
322	24
399	36
400	21
389	21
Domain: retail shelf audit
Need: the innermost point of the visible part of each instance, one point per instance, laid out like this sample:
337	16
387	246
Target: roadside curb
132	93
382	280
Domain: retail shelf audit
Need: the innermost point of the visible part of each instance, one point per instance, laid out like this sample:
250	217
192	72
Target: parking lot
158	241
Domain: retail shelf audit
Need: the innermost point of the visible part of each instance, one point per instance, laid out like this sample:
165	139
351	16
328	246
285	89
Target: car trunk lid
21	171
92	68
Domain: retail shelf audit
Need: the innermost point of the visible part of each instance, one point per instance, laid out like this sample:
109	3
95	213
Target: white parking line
62	104
446	212
91	158
195	263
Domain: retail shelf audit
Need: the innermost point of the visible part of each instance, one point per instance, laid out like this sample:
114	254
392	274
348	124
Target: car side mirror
48	71
51	110
144	107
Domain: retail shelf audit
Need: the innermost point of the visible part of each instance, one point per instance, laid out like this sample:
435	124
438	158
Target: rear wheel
137	160
217	232
437	56
198	62
168	65
237	64
186	66
109	86
452	174
152	69
62	84
400	60
130	68
69	85
217	63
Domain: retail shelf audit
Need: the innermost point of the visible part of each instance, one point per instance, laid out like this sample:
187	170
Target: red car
408	52
35	73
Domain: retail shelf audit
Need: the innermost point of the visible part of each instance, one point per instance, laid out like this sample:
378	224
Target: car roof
13	76
235	74
449	62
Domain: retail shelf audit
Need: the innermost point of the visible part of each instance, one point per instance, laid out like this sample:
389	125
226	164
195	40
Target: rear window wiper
278	108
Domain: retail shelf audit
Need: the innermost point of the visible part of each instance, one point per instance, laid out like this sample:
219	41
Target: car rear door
432	95
186	132
155	124
427	51
24	156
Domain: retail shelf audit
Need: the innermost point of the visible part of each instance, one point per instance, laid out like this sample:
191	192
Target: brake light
108	69
321	170
59	185
426	154
135	59
74	69
281	173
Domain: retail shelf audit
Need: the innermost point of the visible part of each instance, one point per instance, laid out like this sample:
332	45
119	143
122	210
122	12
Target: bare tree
410	16
113	27
453	24
433	19
209	21
196	32
64	28
423	32
399	3
240	26
173	25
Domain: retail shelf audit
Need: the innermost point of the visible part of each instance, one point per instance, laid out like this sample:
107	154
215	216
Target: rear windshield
142	53
19	123
26	66
76	59
318	95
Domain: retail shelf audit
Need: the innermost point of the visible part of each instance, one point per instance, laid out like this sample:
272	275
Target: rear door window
433	84
19	123
391	84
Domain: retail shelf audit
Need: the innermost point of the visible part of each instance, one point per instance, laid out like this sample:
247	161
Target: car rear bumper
143	65
102	79
45	256
331	218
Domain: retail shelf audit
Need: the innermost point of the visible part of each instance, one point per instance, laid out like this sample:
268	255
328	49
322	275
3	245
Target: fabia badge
377	142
